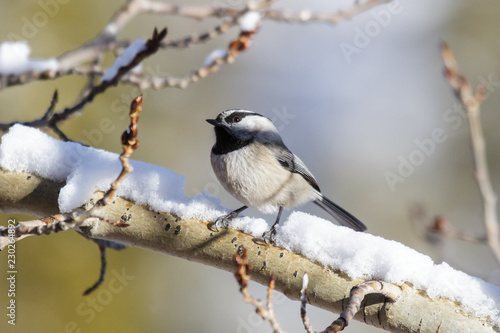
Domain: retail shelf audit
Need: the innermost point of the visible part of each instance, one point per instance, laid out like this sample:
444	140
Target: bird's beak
213	122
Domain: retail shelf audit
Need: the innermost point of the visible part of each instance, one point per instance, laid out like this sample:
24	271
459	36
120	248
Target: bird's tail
341	215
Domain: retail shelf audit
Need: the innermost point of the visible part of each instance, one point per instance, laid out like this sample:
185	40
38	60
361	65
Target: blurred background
352	117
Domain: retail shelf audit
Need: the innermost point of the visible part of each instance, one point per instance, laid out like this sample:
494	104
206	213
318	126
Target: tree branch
191	239
472	102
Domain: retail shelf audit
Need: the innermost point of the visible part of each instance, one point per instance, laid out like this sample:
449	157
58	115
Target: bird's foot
222	221
269	236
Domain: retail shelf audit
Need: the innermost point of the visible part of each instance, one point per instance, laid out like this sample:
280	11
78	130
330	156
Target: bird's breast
254	176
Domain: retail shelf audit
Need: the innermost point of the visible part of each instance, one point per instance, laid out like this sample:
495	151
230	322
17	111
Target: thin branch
43	226
92	51
102	273
472	102
303	304
234	48
61	222
106	40
434	229
130	144
50	110
390	291
243	276
48	115
152	46
307	16
102	245
442	227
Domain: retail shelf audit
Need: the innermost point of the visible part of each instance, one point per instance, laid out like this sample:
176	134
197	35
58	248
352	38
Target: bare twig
152	46
234	48
434	229
92	51
243	276
103	244
44	226
357	294
130	144
60	222
102	273
472	101
303	304
307	16
442	227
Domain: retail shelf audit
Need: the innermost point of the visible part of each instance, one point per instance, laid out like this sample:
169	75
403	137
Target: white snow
124	59
111	28
15	59
86	170
250	21
367	256
212	56
305	282
363	255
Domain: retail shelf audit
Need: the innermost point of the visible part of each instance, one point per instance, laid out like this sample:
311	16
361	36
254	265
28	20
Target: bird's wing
292	163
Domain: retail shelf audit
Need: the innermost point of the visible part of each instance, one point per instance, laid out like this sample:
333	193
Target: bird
252	163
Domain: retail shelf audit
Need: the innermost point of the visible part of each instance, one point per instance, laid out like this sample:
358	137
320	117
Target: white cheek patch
257	123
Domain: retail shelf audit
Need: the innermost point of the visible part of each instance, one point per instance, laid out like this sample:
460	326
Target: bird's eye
237	119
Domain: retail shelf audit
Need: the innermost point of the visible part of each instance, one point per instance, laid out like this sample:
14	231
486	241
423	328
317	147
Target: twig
434	229
243	276
44	226
472	102
102	273
103	244
106	41
303	304
307	16
152	46
441	227
357	294
61	222
50	110
48	115
130	144
234	48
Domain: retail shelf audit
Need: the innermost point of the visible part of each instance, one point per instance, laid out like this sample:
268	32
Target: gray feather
292	163
341	215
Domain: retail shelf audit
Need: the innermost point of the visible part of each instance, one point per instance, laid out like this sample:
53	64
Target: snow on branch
161	218
14	60
53	118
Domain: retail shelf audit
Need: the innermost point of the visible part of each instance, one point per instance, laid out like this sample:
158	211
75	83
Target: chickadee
253	164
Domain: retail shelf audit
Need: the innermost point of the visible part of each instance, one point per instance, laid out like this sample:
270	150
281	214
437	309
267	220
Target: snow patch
214	55
250	21
15	59
124	59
